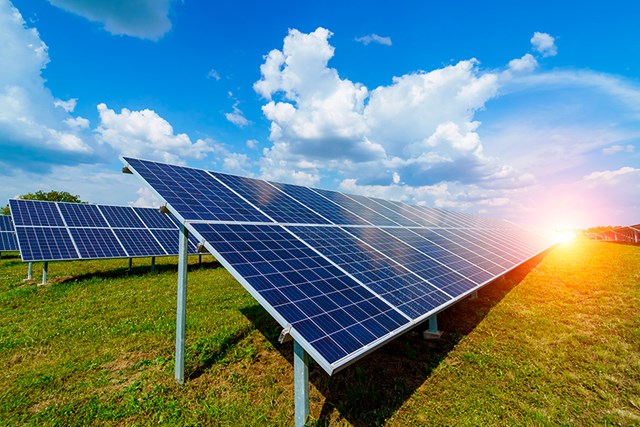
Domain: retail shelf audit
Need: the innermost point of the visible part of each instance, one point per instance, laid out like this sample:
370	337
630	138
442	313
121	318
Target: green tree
49	196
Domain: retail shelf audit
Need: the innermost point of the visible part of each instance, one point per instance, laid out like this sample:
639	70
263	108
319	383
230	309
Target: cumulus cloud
612	177
544	44
252	143
29	114
146	198
525	64
145	19
374	38
145	134
420	127
67	106
237	116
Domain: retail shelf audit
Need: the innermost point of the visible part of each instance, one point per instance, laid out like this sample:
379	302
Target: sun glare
564	236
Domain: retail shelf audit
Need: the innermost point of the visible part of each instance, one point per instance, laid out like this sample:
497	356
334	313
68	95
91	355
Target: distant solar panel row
8	240
346	273
55	231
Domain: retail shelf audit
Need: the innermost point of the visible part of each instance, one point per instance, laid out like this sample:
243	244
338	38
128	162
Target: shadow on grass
372	389
136	271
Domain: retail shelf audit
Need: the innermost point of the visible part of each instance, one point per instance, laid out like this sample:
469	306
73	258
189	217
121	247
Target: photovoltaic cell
97	243
152	218
345	272
8	240
40	243
121	217
139	241
35	213
271	200
81	215
331	311
194	193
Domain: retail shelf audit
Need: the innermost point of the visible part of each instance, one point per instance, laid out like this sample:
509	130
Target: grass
557	342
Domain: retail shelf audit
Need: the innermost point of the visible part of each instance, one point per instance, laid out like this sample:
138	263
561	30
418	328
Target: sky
528	111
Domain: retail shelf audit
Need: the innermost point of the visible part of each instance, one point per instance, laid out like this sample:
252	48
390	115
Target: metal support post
432	332
45	269
30	271
181	311
300	384
130	265
153	264
199	259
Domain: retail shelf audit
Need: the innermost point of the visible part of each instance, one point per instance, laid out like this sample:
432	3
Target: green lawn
555	342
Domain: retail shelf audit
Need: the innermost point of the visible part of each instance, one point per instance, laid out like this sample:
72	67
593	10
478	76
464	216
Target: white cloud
523	65
146	198
77	122
67	106
617	149
252	143
29	117
374	38
145	134
146	19
213	74
611	177
544	44
420	127
237	116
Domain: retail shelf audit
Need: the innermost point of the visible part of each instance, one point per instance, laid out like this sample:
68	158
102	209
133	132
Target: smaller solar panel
140	242
151	218
35	213
40	243
97	243
8	240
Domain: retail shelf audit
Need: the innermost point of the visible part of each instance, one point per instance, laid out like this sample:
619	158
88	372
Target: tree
50	196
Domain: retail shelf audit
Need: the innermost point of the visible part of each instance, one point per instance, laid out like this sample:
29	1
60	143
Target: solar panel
56	231
343	273
8	240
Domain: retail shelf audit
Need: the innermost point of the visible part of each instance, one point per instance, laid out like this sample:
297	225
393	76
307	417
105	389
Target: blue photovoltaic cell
97	243
444	278
392	214
194	193
169	240
31	212
270	200
153	218
6	224
331	311
8	241
323	206
81	215
121	217
495	255
351	205
51	244
7	234
408	292
454	256
139	242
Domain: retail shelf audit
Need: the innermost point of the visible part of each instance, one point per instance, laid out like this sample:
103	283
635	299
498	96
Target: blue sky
529	112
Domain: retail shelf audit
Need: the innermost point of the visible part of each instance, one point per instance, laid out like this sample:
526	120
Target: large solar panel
343	273
57	231
8	240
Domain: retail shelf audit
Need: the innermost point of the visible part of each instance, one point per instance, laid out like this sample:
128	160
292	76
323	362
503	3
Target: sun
565	236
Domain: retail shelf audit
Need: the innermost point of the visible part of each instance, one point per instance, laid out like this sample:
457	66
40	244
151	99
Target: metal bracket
163	209
201	248
125	169
285	335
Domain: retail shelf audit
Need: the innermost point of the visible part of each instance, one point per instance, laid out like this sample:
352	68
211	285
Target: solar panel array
344	273
7	234
56	231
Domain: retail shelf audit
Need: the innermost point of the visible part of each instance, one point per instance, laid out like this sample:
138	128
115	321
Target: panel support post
153	264
130	265
30	271
199	259
181	312
300	384
432	332
45	269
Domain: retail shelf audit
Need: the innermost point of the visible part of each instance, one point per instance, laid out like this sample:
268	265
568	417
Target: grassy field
555	342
